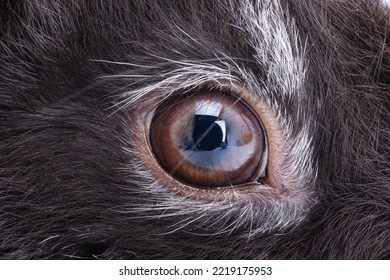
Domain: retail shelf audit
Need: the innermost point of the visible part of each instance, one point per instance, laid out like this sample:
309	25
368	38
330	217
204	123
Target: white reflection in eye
220	138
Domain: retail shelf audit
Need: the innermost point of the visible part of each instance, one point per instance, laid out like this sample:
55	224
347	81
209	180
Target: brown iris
209	140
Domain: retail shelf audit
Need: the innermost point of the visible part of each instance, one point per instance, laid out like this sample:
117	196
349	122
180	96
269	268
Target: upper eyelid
176	77
171	85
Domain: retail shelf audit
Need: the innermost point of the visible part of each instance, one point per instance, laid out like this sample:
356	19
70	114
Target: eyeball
209	140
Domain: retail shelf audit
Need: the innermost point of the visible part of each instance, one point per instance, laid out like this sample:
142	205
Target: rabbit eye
209	140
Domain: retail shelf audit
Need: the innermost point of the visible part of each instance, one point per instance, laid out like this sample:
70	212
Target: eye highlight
209	139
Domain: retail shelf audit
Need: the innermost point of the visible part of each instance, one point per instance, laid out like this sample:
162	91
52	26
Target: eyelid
143	116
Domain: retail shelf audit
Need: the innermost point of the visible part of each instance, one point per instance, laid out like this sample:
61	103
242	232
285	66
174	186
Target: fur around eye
101	102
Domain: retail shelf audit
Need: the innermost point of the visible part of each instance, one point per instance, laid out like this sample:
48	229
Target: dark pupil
207	134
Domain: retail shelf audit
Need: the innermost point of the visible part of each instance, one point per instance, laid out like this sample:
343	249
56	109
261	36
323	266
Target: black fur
63	185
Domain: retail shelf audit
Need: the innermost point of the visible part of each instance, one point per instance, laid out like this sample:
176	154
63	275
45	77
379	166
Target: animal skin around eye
80	83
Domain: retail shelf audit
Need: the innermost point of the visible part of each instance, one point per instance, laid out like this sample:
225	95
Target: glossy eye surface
209	140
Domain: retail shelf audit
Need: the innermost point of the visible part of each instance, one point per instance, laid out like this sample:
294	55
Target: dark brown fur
63	189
